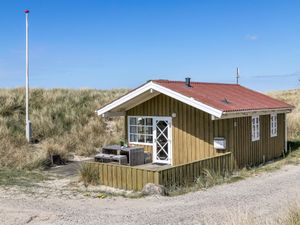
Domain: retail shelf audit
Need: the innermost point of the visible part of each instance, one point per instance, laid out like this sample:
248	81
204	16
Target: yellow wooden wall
193	132
237	132
135	178
192	129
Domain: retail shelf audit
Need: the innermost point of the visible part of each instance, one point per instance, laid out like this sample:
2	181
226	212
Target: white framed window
255	127
273	125
140	130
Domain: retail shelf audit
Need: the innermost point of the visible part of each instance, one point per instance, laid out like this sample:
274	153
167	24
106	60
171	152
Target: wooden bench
102	157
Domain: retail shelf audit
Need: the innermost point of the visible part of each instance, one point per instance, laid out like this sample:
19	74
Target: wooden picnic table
135	155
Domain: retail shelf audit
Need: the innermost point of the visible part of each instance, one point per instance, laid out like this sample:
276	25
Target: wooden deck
136	177
153	166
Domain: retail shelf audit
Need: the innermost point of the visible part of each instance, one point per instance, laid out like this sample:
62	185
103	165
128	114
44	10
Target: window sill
253	140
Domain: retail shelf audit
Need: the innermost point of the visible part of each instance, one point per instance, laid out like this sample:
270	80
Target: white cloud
251	37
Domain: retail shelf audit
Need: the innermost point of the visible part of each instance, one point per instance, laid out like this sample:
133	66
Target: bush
89	174
209	178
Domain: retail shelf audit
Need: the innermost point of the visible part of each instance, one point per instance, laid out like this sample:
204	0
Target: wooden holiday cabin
182	121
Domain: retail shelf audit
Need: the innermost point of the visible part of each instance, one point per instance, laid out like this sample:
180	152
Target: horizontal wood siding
192	129
237	132
132	178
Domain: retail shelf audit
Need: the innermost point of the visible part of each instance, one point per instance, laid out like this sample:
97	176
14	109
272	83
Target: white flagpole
28	124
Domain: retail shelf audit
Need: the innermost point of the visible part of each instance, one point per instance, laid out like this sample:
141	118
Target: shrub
89	174
209	178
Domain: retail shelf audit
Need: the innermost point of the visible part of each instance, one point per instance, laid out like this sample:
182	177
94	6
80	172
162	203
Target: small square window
140	130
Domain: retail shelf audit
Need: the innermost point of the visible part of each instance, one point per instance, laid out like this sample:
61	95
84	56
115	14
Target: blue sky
114	44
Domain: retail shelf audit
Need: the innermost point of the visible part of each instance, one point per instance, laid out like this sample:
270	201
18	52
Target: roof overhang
245	113
148	91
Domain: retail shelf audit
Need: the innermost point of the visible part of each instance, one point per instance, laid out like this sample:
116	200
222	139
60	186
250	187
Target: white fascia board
173	94
124	99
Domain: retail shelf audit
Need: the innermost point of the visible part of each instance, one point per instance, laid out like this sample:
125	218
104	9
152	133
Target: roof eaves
157	87
139	90
187	100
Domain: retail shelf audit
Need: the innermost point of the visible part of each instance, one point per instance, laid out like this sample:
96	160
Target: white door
162	134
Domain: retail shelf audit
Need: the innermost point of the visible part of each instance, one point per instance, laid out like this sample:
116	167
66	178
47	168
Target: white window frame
170	152
273	125
128	130
255	128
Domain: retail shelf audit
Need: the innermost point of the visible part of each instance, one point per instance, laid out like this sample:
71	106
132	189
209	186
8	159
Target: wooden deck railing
135	178
189	172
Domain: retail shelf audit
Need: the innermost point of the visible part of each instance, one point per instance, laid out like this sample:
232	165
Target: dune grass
63	121
291	217
14	177
292	97
210	178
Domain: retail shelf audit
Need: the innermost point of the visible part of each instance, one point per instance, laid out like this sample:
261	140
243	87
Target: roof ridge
193	82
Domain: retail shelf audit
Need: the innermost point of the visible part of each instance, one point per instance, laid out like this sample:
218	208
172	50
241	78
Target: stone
154	189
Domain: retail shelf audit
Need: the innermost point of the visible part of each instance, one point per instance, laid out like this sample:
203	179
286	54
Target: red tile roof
225	97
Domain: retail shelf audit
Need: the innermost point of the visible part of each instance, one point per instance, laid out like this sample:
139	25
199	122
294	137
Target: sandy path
266	196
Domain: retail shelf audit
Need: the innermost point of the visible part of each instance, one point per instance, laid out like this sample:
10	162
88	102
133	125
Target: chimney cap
188	82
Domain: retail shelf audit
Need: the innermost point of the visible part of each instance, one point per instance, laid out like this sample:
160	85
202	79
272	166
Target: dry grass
210	178
292	97
89	174
292	217
63	121
11	177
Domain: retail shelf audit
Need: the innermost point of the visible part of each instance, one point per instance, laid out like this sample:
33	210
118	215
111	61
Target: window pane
141	138
133	129
140	121
149	139
132	121
133	138
149	130
149	121
141	129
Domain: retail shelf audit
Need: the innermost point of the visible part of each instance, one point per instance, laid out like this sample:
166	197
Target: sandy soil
263	197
